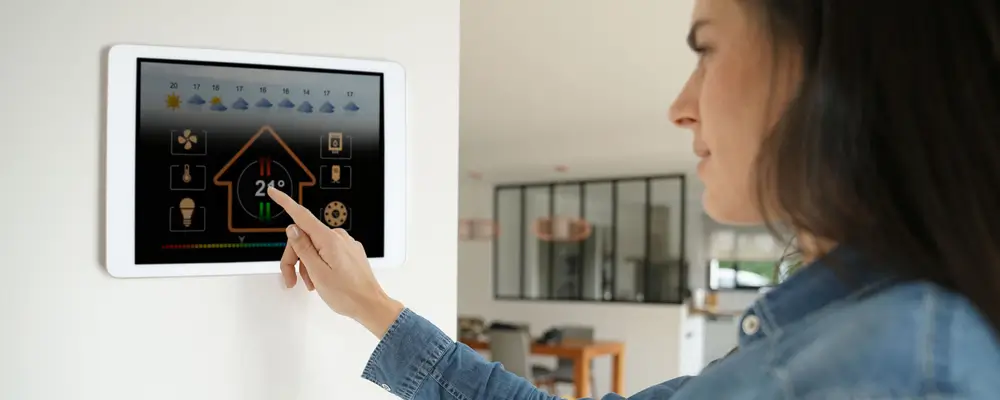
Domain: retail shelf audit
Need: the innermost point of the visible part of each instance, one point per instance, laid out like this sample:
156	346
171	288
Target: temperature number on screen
263	185
261	89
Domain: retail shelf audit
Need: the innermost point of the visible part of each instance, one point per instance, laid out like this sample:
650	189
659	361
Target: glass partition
610	240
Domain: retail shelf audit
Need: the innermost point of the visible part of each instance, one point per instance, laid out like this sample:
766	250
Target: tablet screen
211	138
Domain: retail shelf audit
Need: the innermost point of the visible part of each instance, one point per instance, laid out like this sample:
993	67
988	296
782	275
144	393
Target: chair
564	369
512	349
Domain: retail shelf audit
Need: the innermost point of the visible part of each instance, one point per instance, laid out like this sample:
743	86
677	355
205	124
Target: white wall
660	343
72	332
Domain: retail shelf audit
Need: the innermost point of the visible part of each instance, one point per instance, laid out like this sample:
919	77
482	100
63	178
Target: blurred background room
583	242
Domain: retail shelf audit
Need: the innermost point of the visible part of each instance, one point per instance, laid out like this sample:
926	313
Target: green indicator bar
260	211
268	211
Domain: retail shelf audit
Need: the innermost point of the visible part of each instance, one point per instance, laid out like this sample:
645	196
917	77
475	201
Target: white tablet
196	136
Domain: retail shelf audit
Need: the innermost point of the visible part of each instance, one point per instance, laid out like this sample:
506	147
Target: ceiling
581	83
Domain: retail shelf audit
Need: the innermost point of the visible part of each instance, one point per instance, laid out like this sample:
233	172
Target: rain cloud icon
218	107
351	107
240	104
263	103
326	108
286	104
305	107
196	99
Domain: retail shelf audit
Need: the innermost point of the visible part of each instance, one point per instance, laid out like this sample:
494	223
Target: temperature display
264	161
252	186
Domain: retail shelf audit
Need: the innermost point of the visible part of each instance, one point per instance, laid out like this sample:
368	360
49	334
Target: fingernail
292	232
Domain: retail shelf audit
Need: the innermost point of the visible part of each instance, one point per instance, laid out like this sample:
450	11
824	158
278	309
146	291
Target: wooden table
581	352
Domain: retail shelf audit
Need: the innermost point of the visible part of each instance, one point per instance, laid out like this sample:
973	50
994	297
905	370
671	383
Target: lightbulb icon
187	209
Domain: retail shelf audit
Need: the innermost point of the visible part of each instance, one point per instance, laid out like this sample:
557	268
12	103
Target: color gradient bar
221	245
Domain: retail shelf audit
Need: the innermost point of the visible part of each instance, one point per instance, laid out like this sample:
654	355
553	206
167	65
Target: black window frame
683	292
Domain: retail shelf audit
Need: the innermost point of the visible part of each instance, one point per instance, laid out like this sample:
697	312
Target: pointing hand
336	266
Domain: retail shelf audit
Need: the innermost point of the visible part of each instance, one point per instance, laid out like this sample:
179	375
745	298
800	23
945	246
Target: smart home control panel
211	136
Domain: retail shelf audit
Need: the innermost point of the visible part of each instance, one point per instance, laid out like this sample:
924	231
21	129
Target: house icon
265	160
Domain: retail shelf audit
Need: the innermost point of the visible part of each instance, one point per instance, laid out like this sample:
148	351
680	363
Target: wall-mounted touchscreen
212	137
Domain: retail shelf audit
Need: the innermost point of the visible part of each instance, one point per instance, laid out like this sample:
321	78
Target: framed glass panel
566	247
535	263
619	240
507	246
599	272
666	270
630	240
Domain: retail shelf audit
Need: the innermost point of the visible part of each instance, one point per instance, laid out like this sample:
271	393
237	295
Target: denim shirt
815	336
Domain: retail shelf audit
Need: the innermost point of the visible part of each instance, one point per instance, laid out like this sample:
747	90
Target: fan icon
187	139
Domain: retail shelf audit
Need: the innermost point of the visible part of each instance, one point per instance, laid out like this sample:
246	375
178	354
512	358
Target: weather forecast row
215	103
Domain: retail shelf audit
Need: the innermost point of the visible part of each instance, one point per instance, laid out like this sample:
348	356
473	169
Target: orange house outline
229	184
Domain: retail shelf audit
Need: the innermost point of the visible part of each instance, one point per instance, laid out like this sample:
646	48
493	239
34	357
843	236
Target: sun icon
173	101
216	100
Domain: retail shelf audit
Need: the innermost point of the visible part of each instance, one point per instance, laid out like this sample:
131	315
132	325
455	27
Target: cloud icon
218	107
305	107
286	104
326	108
241	104
263	103
352	107
196	99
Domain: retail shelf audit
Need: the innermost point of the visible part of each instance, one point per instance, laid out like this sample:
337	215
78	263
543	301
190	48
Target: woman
871	130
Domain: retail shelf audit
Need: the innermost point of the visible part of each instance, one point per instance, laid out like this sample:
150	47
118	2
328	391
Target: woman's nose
684	111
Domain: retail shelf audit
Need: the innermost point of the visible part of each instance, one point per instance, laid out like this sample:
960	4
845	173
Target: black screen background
154	197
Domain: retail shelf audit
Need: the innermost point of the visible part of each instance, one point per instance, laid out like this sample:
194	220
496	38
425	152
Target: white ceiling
585	83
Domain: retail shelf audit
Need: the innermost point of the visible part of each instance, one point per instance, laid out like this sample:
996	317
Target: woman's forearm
415	360
379	315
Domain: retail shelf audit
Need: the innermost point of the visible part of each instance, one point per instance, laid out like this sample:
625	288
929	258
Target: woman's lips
703	163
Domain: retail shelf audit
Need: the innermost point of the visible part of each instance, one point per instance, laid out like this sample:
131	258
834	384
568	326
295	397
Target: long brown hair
892	143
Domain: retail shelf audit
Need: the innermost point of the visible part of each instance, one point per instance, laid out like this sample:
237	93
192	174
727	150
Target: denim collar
841	275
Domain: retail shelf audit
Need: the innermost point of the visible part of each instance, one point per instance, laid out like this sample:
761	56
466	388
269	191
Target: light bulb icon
187	174
187	209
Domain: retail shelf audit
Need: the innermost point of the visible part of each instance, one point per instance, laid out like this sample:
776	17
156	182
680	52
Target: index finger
302	216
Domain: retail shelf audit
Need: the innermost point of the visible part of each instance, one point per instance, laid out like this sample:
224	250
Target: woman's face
729	103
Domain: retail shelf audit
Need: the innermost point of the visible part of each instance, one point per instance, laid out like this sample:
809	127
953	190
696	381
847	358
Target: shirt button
750	325
386	387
